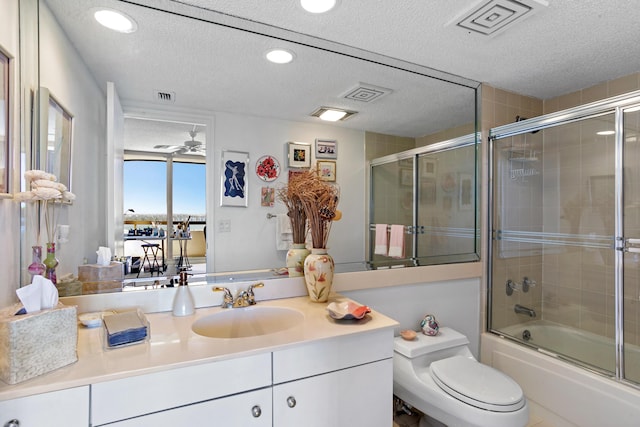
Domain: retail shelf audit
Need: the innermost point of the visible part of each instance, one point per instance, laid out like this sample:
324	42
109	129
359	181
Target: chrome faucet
227	299
243	299
521	309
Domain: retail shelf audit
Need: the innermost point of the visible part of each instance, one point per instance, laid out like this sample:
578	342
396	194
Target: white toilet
440	377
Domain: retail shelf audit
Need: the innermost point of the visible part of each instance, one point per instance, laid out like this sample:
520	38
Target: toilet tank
447	343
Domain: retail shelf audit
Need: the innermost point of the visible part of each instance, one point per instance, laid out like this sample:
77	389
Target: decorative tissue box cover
99	273
37	343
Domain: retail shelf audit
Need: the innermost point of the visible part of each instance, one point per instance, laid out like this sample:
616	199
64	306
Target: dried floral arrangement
298	218
320	202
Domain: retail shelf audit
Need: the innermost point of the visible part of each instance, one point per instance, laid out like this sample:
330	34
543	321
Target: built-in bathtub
559	390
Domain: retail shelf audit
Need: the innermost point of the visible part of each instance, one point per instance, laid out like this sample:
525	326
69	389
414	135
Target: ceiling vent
364	92
163	96
494	16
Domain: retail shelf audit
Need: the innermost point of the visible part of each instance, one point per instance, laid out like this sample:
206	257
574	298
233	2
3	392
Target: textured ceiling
563	47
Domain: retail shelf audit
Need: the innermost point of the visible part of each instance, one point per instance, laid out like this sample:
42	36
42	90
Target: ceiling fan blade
168	147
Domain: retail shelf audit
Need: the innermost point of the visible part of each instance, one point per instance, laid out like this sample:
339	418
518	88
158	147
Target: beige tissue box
99	273
37	343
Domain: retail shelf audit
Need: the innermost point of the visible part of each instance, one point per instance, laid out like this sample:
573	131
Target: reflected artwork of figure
234	188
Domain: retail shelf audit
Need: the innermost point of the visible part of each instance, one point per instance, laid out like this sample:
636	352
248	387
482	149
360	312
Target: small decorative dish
347	310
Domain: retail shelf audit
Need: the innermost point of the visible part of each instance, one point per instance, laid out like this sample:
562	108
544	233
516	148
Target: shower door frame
616	105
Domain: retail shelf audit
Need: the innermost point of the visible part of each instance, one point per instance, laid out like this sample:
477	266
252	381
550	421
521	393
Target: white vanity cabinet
208	392
339	382
69	408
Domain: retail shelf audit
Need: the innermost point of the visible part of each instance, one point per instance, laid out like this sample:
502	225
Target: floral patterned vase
51	262
318	274
295	259
36	268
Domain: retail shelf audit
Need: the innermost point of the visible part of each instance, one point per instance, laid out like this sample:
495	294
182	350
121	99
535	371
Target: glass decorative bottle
36	268
51	262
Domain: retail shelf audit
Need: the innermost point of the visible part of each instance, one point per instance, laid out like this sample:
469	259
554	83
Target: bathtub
559	391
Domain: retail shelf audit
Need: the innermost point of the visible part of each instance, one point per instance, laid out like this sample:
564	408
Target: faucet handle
227	299
252	297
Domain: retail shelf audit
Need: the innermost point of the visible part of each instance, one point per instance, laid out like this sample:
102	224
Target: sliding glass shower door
565	235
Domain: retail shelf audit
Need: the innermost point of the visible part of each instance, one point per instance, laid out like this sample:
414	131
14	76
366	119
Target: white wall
454	303
252	237
9	210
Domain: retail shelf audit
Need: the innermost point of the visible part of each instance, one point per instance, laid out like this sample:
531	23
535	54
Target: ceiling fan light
115	20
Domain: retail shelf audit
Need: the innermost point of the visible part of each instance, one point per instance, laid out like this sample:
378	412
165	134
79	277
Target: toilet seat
476	384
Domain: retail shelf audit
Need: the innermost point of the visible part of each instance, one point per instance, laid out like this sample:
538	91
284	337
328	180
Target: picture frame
5	131
406	177
299	155
326	149
465	192
267	197
428	167
56	142
233	182
327	170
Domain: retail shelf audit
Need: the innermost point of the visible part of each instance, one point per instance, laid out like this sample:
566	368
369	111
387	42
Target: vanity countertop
173	344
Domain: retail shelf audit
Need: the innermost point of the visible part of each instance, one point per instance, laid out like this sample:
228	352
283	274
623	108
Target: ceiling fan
188	147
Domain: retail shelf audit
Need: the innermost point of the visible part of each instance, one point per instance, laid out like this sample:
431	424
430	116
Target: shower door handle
632	245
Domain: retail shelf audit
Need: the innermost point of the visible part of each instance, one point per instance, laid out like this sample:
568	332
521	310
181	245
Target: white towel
396	241
284	235
381	246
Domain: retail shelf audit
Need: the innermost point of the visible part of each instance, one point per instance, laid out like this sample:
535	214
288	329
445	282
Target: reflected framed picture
326	149
327	170
465	193
299	155
56	142
4	126
235	165
267	196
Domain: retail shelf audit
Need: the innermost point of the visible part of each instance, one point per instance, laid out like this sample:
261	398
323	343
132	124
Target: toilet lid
477	384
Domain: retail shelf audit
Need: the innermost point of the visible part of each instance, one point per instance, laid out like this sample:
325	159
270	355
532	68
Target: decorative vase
318	274
36	268
295	259
51	262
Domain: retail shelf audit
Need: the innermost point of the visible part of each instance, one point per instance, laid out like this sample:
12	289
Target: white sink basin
247	322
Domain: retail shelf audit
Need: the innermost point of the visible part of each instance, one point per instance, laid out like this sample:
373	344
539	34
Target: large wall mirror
189	83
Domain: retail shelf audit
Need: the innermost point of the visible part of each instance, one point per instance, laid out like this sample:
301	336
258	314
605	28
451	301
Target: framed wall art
56	142
327	170
299	155
235	165
4	126
326	149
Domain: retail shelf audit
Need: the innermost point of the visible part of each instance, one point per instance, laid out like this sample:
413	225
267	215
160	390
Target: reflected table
149	240
183	260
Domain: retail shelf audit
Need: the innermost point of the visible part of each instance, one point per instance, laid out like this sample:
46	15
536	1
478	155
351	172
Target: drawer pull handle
256	411
291	402
12	423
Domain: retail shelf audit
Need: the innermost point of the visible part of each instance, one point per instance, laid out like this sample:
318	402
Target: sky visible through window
145	187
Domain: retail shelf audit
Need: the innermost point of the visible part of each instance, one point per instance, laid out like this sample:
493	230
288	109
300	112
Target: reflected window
4	123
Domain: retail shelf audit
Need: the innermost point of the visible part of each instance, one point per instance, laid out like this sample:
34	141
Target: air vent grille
164	96
365	92
494	16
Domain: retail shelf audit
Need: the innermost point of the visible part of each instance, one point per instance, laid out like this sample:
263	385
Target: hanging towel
396	241
284	235
381	240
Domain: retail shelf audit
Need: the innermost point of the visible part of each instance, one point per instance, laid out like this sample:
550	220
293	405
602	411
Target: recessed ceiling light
318	6
115	20
606	132
280	56
332	114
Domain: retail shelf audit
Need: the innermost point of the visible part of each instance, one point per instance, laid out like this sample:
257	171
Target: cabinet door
69	408
251	409
358	396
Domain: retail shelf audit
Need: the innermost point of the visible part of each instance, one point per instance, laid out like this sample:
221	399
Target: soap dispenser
183	304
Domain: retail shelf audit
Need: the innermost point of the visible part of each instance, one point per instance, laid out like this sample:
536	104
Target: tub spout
521	309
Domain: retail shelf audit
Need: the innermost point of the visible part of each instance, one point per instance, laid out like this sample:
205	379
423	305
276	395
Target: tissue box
37	343
100	273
